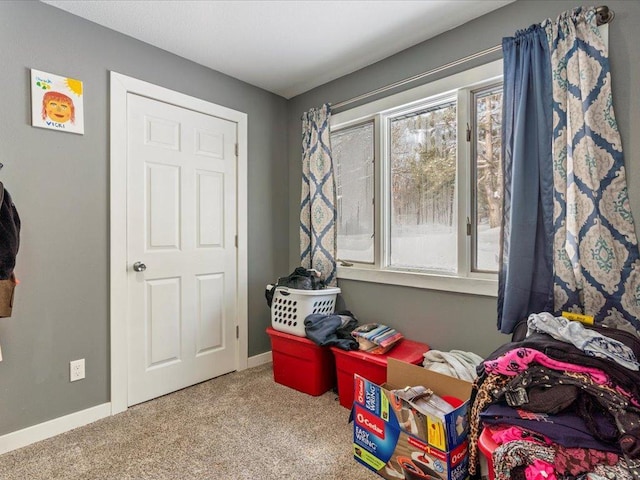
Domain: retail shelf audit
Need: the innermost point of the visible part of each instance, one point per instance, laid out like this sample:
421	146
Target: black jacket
9	244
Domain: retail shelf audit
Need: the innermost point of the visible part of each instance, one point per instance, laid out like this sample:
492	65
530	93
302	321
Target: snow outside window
419	181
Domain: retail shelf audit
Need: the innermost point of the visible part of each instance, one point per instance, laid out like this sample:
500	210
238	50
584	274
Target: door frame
121	85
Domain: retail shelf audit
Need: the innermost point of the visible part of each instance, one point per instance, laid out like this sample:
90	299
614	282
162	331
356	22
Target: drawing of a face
58	111
58	107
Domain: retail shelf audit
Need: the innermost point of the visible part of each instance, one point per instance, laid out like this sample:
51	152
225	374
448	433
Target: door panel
163	133
181	223
163	207
209	144
210	313
210	221
163	320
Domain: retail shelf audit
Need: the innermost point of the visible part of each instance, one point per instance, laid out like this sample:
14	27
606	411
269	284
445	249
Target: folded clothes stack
376	338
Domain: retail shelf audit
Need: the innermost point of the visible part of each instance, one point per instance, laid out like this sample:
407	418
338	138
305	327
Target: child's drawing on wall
56	102
58	107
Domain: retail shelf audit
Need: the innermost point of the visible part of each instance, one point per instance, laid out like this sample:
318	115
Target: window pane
488	179
423	176
352	150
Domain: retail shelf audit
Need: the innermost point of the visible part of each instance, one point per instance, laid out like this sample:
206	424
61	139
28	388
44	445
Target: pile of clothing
342	330
455	363
560	401
332	330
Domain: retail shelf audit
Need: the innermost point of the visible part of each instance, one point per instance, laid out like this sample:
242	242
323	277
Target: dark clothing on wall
9	244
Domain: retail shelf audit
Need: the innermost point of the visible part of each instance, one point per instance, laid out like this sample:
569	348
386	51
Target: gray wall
60	184
448	320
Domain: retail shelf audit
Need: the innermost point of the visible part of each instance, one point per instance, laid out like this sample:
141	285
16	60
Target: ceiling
287	46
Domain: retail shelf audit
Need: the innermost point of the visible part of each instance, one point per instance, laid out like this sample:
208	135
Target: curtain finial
604	15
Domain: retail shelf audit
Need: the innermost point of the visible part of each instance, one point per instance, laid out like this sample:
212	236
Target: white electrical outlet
76	370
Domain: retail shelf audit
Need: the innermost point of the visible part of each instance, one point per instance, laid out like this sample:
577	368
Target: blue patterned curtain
318	205
526	267
597	269
564	94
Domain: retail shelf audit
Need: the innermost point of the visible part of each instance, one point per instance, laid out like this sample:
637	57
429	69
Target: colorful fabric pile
561	401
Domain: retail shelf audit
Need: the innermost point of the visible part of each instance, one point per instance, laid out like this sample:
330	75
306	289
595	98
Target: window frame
386	119
381	112
359	125
473	177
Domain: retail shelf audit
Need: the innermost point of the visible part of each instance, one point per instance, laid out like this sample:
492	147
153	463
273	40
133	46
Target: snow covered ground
422	246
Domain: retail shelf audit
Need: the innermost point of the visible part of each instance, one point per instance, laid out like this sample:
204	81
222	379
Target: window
423	179
487	173
419	182
352	150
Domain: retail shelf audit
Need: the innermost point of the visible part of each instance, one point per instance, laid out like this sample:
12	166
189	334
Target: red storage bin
486	445
370	366
301	364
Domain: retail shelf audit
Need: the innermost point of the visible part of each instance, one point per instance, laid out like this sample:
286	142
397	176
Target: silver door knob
139	267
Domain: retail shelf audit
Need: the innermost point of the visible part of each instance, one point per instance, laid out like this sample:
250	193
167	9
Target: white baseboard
42	431
27	436
258	360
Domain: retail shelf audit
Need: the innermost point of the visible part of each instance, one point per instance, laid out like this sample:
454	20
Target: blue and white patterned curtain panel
318	204
596	263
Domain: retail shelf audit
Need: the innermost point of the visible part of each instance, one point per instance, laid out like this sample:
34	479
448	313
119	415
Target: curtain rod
603	13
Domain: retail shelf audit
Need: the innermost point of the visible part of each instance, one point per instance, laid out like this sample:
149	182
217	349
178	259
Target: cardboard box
395	441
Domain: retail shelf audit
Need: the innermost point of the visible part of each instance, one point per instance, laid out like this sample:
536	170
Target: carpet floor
239	426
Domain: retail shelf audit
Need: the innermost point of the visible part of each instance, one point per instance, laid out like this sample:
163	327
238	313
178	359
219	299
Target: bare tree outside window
432	157
488	176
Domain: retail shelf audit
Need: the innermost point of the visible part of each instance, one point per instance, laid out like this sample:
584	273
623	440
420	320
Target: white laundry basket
291	306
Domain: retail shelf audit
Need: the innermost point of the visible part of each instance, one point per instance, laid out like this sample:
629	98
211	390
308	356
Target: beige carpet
239	426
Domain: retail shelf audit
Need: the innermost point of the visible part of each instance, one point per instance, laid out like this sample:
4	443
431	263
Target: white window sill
474	286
